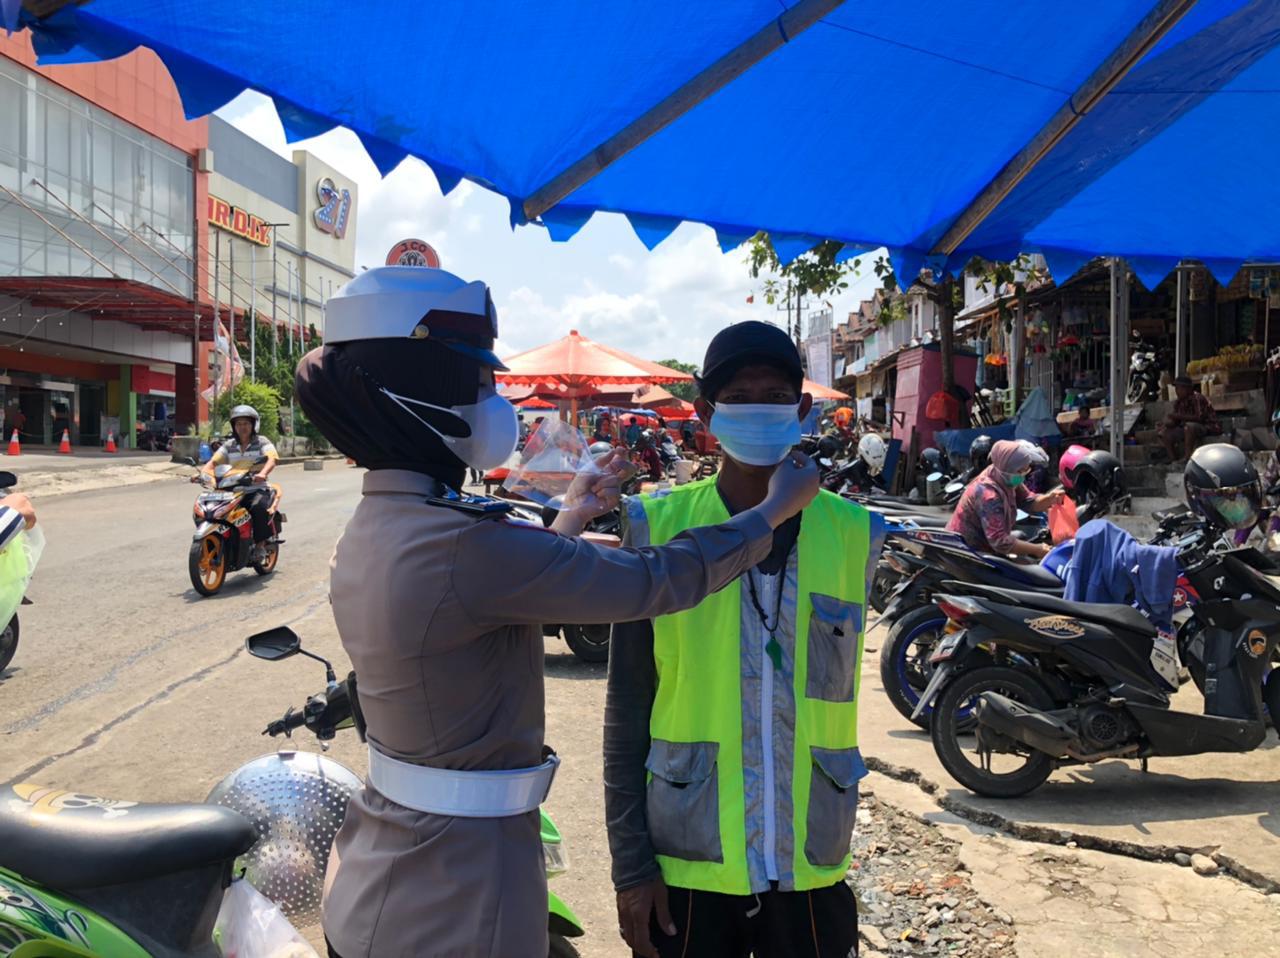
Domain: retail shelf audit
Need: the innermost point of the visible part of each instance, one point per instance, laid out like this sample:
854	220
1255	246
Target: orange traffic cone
14	448
111	442
65	446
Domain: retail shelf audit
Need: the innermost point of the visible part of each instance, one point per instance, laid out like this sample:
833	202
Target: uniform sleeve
505	574
11	523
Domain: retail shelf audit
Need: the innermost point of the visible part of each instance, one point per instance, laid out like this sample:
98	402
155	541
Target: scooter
89	877
34	546
223	540
1091	691
1144	374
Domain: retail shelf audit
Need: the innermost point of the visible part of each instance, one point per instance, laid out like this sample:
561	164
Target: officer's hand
21	504
635	905
792	486
593	494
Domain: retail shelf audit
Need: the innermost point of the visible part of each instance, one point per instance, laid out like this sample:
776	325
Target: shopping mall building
128	232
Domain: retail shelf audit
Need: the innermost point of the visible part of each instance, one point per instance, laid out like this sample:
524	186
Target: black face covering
338	389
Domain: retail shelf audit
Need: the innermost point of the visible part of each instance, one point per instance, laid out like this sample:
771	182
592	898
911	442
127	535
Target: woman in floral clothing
986	512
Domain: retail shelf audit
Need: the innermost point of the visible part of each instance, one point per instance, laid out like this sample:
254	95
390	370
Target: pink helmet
1068	462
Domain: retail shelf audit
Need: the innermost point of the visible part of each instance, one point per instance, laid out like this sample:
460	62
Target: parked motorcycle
89	877
1144	373
31	544
223	540
1084	687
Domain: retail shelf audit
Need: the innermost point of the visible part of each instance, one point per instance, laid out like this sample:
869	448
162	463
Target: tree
815	272
686	391
260	396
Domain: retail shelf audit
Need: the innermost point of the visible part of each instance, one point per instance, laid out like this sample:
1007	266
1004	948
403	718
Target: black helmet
980	451
828	447
933	460
1223	487
1098	475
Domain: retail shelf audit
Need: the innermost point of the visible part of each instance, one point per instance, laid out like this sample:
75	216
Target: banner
227	370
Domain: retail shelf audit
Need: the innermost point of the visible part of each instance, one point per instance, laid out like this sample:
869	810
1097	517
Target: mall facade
127	232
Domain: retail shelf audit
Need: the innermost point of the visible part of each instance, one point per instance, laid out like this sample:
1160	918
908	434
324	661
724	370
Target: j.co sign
235	220
413	252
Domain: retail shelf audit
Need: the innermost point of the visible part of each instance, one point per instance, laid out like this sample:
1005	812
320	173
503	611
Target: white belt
443	791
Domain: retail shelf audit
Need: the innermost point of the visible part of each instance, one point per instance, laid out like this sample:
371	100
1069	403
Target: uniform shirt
632	688
436	610
241	459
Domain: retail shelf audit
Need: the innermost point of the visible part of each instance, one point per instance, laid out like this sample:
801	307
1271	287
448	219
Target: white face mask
492	420
756	434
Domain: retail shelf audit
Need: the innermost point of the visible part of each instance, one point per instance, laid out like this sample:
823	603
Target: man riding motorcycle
239	454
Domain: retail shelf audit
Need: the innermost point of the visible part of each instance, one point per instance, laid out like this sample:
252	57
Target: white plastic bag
554	456
250	925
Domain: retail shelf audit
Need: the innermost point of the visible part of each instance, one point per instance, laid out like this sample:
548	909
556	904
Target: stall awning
1119	127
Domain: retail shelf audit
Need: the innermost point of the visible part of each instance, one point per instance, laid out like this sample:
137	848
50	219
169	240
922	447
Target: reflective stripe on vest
696	800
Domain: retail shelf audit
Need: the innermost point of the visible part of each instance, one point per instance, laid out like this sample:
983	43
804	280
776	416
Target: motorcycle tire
8	643
899	664
268	565
561	947
590	643
882	585
946	730
1270	696
206	564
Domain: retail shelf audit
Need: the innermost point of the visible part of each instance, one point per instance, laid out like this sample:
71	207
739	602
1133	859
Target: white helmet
245	412
872	451
391	302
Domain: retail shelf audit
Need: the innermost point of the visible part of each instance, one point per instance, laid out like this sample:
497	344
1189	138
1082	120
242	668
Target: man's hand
21	504
635	905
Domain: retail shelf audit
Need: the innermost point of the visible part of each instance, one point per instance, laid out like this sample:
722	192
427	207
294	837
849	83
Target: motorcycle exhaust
1027	725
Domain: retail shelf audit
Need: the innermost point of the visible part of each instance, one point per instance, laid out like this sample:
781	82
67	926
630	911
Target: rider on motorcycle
239	454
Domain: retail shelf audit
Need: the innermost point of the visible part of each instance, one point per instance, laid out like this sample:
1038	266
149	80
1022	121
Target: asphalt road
128	685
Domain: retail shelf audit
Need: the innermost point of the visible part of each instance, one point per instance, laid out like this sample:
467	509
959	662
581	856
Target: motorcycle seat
1033	575
1125	616
66	840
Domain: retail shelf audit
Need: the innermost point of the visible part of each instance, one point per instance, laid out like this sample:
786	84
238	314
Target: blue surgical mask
756	434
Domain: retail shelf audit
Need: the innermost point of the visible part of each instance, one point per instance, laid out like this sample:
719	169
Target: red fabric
943	406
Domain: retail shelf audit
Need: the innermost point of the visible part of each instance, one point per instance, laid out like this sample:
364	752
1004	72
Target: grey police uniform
438	609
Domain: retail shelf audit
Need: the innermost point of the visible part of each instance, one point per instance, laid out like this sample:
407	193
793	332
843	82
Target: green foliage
993	275
686	391
815	272
892	309
260	396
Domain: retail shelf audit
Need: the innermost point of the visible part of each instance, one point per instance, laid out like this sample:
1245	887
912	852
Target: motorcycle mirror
274	644
7	479
955	487
934	477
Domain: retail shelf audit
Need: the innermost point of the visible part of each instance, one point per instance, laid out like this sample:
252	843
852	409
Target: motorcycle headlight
555	858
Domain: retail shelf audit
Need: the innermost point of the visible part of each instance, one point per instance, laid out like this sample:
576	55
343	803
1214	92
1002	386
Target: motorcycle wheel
268	565
1020	772
561	947
590	643
1137	389
8	642
882	585
207	565
904	663
1270	695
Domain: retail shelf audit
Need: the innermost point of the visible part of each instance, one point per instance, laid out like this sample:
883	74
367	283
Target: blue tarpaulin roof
875	126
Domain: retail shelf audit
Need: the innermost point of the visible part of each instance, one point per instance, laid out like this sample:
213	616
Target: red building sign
235	220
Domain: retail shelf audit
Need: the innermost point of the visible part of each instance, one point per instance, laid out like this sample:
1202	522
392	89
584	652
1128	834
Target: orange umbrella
822	392
580	365
533	402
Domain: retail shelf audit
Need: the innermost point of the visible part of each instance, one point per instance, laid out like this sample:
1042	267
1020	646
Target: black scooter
1054	683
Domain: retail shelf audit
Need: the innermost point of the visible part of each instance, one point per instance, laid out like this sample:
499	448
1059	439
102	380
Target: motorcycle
1084	687
31	542
100	878
1144	373
223	540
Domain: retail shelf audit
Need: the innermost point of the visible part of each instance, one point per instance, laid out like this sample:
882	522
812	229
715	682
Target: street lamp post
274	281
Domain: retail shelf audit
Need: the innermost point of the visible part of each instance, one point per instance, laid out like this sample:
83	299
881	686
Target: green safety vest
696	792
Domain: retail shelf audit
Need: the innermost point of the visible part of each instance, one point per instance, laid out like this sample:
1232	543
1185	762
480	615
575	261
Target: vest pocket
833	804
682	802
833	648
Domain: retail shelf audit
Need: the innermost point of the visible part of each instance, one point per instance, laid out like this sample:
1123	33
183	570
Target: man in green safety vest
731	730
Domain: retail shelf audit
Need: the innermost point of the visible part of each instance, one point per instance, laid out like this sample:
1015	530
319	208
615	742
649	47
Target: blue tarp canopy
876	125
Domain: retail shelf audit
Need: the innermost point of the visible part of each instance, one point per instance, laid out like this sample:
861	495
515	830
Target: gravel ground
915	897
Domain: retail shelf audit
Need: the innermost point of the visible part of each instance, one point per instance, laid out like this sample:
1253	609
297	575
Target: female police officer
437	600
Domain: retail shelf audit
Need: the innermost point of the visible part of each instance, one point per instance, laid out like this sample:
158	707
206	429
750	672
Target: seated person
1083	425
1190	422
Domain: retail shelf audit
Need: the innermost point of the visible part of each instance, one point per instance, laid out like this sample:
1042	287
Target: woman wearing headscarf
987	511
438	599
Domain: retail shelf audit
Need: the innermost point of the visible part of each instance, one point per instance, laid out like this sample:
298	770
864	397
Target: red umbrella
533	402
822	392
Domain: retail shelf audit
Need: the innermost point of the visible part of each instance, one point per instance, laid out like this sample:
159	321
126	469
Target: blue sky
603	282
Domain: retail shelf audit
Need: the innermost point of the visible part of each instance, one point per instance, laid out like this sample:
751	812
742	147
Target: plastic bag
554	456
251	925
1063	522
17	562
